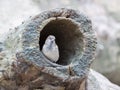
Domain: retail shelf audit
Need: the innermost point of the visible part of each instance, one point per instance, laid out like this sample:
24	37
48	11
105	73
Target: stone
96	81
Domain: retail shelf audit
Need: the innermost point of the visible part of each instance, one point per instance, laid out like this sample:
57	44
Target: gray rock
98	82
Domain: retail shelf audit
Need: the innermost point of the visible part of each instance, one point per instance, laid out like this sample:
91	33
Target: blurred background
105	16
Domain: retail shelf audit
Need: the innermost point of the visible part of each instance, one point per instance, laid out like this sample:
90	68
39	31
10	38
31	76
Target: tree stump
31	70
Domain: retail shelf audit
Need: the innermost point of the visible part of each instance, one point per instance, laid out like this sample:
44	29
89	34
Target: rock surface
98	82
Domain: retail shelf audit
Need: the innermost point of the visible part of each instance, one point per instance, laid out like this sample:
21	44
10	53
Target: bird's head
50	39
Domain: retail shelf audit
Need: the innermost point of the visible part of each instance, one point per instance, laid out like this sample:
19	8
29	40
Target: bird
50	49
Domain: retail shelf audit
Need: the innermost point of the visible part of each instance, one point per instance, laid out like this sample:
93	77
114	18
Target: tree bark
31	70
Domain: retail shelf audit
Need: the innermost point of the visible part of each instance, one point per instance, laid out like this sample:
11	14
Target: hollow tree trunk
31	70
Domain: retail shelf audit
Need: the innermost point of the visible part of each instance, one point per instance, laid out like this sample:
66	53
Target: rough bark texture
31	70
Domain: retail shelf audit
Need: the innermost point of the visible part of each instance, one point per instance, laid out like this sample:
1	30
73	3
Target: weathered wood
77	44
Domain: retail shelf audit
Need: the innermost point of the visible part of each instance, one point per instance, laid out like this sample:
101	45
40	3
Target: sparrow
50	49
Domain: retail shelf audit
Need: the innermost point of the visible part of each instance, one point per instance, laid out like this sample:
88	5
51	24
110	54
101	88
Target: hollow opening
68	38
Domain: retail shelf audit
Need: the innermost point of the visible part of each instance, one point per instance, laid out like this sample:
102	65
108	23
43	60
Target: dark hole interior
68	38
